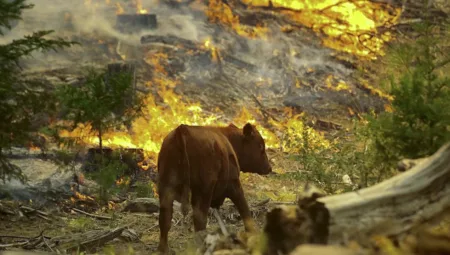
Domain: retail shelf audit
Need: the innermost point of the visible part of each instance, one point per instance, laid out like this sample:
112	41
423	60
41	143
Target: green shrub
144	189
419	123
106	174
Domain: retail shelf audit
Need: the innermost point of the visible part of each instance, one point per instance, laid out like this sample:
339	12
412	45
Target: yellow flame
119	8
139	8
351	26
341	85
220	12
214	52
159	119
79	196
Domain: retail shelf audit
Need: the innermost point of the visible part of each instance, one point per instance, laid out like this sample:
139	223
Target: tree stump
135	22
118	68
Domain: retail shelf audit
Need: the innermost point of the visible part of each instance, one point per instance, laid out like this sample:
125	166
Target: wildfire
220	12
78	196
32	147
119	8
123	181
214	52
147	132
341	85
350	26
139	8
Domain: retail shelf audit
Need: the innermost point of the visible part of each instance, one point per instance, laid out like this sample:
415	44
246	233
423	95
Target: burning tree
19	100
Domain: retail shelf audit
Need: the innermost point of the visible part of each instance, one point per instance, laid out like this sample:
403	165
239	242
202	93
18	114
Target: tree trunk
100	141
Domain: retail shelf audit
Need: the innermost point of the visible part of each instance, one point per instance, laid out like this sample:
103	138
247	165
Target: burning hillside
236	61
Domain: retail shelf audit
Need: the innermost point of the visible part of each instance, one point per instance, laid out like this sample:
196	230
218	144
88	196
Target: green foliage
81	224
417	126
106	174
101	103
419	123
19	100
353	155
144	189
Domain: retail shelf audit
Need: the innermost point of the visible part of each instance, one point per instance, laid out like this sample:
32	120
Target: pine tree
101	103
420	121
19	100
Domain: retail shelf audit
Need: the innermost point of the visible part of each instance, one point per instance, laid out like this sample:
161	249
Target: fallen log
406	200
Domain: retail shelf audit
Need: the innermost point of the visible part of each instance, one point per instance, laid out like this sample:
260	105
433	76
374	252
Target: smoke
94	20
277	58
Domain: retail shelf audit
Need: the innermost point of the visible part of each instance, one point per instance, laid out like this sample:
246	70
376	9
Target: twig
152	227
14	237
263	109
45	242
92	215
13	244
221	224
261	203
30	210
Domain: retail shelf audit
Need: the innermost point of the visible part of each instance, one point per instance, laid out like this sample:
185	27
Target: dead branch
98	240
221	224
5	210
92	215
9	245
30	210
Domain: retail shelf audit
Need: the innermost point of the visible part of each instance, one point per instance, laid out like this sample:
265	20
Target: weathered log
406	200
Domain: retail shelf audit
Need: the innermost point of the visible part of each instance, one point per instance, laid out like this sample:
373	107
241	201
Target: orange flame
119	8
79	196
220	12
139	8
158	118
123	181
214	52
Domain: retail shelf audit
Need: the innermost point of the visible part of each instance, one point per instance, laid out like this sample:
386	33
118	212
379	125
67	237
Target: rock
129	235
143	205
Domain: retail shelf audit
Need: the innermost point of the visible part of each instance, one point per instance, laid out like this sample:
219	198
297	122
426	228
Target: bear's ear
249	130
232	125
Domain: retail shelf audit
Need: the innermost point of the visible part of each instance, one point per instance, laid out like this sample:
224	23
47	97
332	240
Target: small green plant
419	123
106	174
81	223
352	155
144	189
101	102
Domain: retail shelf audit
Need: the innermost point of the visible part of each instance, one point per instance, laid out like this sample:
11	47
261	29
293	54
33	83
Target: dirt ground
258	189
